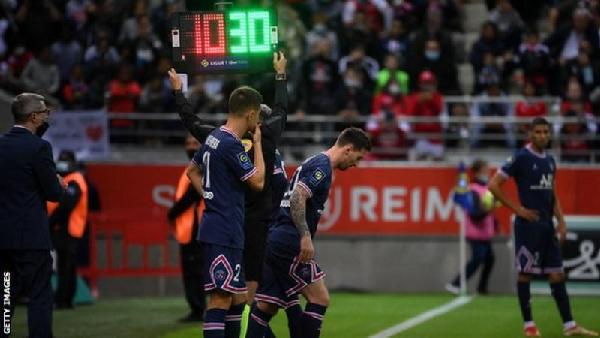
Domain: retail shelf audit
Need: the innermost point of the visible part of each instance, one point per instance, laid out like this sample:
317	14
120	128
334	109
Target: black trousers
481	255
66	256
30	272
193	282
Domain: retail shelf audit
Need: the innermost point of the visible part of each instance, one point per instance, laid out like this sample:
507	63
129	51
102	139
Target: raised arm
276	122
191	121
298	213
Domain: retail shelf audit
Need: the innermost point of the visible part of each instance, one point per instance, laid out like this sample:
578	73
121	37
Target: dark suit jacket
27	180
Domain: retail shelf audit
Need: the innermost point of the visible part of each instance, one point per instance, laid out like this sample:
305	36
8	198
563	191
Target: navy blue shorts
223	269
537	250
284	277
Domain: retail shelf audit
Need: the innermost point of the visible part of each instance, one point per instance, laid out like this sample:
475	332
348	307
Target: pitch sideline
423	317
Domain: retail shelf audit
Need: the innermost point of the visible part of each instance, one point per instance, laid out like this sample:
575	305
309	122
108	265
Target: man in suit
27	181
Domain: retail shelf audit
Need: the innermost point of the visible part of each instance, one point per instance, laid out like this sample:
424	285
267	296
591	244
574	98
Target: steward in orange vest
185	215
67	220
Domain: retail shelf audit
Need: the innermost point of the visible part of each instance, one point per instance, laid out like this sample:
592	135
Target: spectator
130	29
320	80
41	74
161	18
77	12
146	47
494	133
331	9
76	90
18	60
101	53
155	96
584	70
450	11
426	103
389	99
378	14
360	61
509	23
67	52
320	31
576	102
397	41
489	73
392	72
575	140
353	99
564	43
489	42
442	64
529	108
388	137
534	59
37	21
124	93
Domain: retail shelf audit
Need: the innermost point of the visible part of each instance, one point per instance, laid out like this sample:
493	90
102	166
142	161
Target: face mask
42	129
62	167
432	55
482	178
352	83
394	89
190	153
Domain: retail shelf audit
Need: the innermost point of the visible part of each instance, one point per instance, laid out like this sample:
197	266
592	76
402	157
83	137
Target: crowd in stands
382	59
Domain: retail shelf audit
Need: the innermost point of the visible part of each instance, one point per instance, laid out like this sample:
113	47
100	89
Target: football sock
294	317
214	323
257	323
233	321
559	292
524	300
312	319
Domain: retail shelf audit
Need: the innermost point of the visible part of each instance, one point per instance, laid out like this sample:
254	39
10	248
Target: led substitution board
221	42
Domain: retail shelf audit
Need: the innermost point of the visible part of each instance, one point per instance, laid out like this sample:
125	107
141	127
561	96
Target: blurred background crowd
399	68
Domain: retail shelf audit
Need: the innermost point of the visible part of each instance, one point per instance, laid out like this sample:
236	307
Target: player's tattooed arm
194	173
298	210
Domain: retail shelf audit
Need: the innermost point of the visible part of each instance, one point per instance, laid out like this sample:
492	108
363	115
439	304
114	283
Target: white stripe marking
423	317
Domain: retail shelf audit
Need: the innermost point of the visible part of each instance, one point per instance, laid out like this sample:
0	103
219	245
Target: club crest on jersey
247	143
317	176
244	160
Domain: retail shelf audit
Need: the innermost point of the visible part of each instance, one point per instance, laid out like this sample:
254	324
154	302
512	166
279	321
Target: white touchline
423	317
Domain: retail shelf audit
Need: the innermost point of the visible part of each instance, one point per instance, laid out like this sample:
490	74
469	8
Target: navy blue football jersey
314	176
225	166
534	175
278	184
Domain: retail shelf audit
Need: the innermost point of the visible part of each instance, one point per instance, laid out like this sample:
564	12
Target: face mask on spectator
394	89
432	55
352	83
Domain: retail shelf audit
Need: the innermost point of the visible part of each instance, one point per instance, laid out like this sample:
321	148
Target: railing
462	129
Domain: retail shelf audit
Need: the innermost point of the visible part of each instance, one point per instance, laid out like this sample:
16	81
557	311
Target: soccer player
219	170
536	247
257	203
289	267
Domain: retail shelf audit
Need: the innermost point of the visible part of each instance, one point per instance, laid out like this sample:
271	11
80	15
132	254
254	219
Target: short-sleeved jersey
314	176
225	166
278	184
534	175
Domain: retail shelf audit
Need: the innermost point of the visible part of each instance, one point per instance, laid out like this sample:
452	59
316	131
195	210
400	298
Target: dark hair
244	99
24	104
356	137
539	121
477	165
